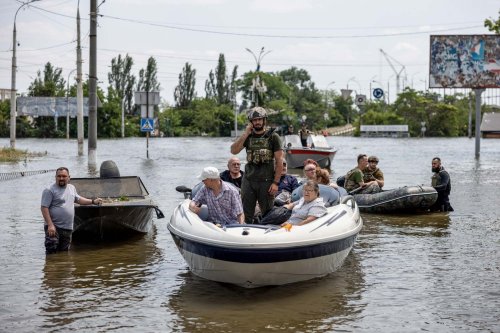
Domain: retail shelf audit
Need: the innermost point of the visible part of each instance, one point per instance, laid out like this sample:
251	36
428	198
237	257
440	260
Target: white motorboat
253	255
317	149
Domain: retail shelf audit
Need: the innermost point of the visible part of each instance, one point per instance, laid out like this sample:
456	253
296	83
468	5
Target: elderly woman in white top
308	208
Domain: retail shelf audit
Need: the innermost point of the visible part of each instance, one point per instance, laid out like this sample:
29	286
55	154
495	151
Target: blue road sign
147	124
378	93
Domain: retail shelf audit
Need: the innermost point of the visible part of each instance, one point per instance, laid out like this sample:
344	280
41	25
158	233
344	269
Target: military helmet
257	112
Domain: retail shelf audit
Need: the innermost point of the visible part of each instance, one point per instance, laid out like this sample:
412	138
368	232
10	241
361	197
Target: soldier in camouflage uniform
372	172
264	152
354	182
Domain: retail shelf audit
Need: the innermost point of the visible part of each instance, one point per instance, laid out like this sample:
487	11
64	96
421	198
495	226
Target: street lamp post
67	105
326	94
13	82
257	86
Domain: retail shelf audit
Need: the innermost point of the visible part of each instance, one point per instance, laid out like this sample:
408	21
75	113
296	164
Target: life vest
259	149
369	175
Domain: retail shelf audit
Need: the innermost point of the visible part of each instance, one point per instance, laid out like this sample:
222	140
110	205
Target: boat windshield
318	141
110	187
292	140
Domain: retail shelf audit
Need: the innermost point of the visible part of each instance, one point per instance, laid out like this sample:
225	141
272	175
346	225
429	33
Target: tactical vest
369	175
349	183
259	150
436	181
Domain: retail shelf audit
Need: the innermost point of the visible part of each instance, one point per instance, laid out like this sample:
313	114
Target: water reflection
94	279
425	224
200	305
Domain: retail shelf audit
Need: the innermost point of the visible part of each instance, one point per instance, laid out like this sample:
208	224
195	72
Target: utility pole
92	142
79	88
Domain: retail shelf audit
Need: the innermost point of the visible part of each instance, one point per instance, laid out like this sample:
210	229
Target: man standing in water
58	211
442	184
264	152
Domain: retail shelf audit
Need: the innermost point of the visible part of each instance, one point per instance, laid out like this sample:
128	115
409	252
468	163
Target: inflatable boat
407	199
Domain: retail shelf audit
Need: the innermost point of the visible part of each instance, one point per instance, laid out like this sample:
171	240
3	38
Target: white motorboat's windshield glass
319	141
293	140
109	187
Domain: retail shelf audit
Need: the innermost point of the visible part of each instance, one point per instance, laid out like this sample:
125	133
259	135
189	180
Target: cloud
281	6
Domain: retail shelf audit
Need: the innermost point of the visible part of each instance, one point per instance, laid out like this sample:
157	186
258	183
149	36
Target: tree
121	80
219	86
493	25
184	92
148	80
52	83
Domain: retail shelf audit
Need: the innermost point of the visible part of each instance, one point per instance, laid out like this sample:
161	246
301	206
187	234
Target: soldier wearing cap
372	172
264	163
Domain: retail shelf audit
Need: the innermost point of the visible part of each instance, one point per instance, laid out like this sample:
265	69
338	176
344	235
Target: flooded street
435	272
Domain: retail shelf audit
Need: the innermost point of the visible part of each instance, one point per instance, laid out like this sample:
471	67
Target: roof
491	122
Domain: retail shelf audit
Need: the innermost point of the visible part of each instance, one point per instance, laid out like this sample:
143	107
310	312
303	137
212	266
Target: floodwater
436	272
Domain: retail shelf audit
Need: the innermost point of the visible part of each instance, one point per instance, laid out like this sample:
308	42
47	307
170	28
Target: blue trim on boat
266	255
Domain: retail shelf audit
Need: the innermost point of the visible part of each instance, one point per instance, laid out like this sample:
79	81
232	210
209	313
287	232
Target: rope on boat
17	174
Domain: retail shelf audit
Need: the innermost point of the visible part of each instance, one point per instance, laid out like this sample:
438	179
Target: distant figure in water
442	184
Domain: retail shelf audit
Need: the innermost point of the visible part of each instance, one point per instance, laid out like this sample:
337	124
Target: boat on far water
317	149
127	208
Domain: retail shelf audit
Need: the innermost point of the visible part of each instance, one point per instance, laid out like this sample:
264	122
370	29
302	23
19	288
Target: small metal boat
317	149
127	208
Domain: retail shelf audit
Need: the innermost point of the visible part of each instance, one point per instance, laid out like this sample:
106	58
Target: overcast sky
335	41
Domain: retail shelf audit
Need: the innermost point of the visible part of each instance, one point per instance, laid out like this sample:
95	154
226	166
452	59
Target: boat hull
127	208
408	199
253	256
111	221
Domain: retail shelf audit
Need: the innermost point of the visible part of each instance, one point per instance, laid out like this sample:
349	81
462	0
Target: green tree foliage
219	86
4	118
51	84
493	25
185	91
121	80
148	78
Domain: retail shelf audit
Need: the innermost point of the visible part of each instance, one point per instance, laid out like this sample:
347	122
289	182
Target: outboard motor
109	169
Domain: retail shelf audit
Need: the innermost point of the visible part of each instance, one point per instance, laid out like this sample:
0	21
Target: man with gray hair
223	200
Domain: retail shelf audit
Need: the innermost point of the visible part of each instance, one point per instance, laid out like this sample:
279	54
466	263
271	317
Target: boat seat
330	195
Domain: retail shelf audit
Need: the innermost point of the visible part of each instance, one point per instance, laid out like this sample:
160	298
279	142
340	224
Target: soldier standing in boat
264	163
442	184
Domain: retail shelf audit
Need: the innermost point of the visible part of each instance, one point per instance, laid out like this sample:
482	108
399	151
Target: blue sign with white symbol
147	124
378	93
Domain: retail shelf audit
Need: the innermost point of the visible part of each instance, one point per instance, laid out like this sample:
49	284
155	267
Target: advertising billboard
464	61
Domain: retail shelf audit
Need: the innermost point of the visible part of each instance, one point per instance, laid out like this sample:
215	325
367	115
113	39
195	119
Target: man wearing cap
264	152
354	182
223	200
372	172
